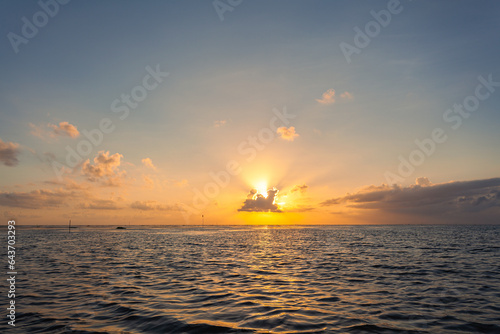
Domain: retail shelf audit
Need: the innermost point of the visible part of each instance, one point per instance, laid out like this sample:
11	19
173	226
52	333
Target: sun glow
269	218
261	188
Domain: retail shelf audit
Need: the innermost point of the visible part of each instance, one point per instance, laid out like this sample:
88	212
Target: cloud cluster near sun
259	203
299	188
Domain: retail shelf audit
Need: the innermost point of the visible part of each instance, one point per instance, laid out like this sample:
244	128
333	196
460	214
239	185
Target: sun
261	188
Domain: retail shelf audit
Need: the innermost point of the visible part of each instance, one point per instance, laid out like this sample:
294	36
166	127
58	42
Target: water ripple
380	279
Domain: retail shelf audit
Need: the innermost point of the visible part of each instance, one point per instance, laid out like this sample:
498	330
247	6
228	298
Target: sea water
317	279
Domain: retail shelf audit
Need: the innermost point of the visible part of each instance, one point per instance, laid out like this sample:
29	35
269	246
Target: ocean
257	279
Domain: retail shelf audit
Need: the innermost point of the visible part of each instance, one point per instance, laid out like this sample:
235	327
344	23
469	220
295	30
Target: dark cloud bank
452	202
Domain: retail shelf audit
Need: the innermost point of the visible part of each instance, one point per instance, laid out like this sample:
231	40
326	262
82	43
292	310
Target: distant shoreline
142	227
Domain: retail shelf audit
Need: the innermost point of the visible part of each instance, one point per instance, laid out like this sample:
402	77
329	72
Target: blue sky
263	55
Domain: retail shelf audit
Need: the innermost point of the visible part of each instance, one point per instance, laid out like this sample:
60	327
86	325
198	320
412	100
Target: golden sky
251	116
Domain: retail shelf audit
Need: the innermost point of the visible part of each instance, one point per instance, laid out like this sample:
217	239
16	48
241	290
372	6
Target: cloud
148	181
68	184
37	131
252	193
423	182
301	208
287	133
346	95
148	163
64	129
105	168
8	153
300	188
36	199
328	97
100	204
153	205
8	214
425	198
71	195
258	203
219	123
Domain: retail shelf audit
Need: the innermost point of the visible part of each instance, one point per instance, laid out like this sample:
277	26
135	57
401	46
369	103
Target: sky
250	112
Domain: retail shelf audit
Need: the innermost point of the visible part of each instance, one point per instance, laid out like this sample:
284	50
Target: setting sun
261	188
250	166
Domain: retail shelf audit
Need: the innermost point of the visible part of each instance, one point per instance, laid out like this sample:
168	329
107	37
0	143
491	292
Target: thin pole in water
202	220
69	226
